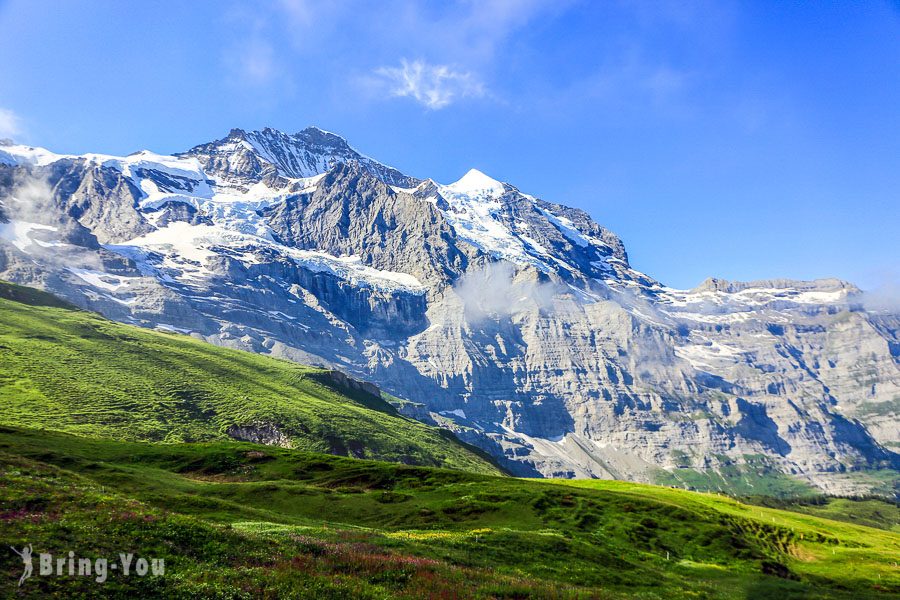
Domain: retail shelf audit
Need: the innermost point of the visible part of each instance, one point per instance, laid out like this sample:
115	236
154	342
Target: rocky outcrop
260	433
101	199
353	213
172	211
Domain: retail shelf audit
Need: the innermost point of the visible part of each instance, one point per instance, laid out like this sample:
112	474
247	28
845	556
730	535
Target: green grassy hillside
70	370
878	512
236	520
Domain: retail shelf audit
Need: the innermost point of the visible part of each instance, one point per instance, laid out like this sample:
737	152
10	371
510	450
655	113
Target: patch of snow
456	411
820	297
170	328
534	244
29	155
188	241
278	313
705	357
122	301
187	248
100	279
18	233
567	228
401	190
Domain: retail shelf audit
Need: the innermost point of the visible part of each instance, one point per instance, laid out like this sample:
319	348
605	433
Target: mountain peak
313	130
311	135
315	136
476	183
243	155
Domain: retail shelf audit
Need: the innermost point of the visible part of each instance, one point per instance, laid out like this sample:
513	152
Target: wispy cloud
10	124
433	86
256	63
884	294
457	45
252	60
300	13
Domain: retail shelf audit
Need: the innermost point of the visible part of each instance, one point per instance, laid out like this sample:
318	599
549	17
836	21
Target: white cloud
459	42
300	12
885	294
250	56
10	124
256	63
497	290
433	86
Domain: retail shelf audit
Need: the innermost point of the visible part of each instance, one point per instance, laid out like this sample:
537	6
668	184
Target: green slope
70	370
237	520
878	512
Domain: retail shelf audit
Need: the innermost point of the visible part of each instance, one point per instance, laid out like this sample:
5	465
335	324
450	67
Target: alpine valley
515	322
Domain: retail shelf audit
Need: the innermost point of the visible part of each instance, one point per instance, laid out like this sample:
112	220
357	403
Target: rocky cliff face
516	322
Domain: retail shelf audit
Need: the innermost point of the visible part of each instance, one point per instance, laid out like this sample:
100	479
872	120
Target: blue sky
741	140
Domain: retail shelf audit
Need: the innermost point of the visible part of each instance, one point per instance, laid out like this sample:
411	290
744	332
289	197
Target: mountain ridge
516	322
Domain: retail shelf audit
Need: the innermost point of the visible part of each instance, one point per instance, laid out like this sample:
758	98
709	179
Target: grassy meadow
237	520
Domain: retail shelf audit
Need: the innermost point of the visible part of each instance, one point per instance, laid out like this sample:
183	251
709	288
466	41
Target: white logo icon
25	554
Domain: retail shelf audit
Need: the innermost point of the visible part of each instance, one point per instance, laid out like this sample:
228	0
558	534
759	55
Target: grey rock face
352	212
260	433
101	199
516	322
172	211
249	157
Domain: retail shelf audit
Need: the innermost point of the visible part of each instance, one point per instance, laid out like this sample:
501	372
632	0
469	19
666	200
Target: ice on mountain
18	233
101	279
478	185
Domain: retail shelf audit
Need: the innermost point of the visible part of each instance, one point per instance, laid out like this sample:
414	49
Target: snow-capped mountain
516	322
249	157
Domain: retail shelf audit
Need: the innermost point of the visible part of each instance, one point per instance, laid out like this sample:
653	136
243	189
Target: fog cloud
31	200
884	297
40	228
496	290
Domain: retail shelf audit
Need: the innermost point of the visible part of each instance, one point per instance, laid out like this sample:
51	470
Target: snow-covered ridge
306	153
234	214
726	302
186	250
754	296
173	165
473	203
473	206
16	155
